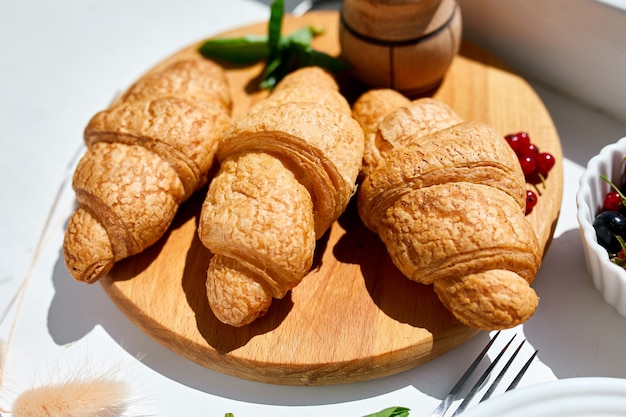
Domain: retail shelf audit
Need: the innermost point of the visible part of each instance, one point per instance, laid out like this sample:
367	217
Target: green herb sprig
387	412
282	53
391	412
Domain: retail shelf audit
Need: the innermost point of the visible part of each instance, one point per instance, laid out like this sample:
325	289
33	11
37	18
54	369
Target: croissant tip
489	300
93	272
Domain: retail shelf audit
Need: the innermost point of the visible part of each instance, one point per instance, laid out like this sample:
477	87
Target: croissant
389	119
449	205
146	154
288	169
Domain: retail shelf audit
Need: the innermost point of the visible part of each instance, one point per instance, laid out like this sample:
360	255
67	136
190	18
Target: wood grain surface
354	317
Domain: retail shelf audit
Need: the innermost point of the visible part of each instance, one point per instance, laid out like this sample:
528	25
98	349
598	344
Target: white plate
573	397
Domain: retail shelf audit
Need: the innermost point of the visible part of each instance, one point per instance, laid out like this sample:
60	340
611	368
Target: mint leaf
309	57
282	54
391	412
302	37
245	50
277	69
274	28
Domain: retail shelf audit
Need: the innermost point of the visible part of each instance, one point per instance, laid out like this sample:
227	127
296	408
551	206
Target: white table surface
62	61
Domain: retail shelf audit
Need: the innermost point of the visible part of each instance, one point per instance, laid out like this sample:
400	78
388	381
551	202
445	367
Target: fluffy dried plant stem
96	397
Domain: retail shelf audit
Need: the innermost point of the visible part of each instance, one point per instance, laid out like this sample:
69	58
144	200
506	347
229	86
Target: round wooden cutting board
354	317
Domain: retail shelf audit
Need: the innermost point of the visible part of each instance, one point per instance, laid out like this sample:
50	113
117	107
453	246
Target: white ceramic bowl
607	277
580	397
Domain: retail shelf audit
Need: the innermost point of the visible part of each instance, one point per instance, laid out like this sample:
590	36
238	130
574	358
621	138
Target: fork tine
481	381
454	392
522	371
496	382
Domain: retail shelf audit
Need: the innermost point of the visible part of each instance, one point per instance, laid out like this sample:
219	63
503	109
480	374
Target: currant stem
614	187
543	181
621	242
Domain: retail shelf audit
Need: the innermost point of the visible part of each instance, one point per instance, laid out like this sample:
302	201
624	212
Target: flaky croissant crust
258	213
315	143
456	229
467	152
182	132
288	169
146	154
449	206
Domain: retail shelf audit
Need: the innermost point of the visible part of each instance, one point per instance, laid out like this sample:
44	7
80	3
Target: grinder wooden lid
396	20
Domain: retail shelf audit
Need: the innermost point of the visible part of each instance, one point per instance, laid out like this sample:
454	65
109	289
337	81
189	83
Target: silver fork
458	387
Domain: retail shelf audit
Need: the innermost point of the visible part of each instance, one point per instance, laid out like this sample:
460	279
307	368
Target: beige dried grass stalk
95	397
77	396
18	297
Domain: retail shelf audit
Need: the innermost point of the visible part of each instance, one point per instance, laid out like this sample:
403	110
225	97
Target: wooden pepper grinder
406	45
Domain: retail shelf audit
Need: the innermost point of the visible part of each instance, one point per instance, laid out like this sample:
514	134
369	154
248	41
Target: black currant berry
608	225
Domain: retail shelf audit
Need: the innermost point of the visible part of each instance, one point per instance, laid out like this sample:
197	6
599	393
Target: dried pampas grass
85	392
96	397
85	395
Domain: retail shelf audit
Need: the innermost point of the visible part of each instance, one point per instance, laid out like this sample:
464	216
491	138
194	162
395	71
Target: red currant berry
531	201
612	201
524	136
527	150
518	142
545	162
532	149
528	163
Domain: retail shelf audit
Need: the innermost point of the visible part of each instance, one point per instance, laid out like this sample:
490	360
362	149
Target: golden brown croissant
388	119
288	170
370	110
449	207
146	154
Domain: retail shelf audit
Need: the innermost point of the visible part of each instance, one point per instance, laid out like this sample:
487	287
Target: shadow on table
77	309
576	332
571	340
